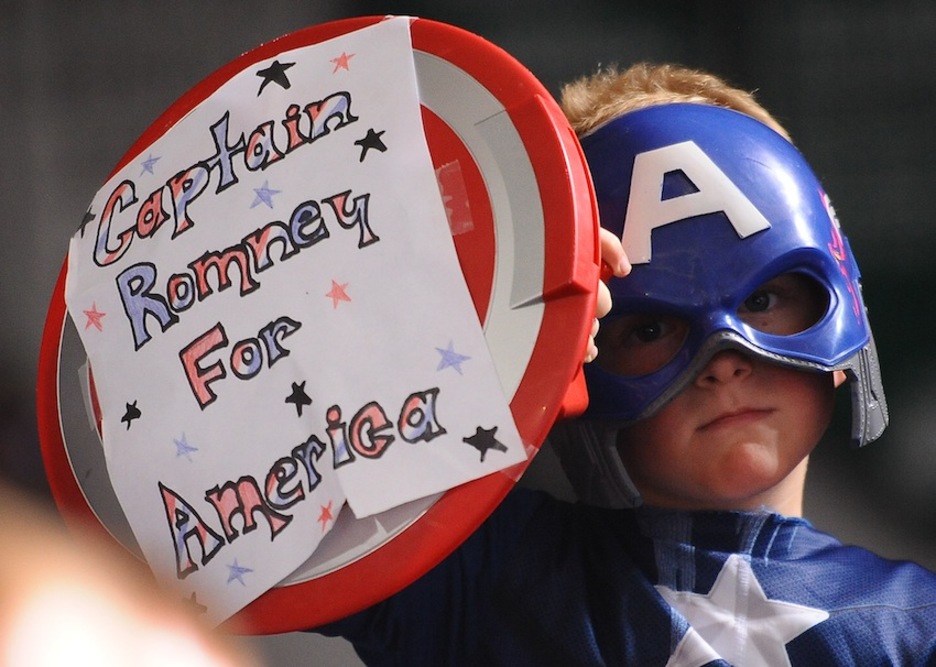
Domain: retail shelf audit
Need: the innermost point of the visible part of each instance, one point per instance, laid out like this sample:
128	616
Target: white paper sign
276	321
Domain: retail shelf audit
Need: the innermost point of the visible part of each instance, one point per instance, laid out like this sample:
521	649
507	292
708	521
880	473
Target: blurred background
854	82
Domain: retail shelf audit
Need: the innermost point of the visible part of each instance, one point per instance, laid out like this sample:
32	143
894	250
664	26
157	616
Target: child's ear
838	377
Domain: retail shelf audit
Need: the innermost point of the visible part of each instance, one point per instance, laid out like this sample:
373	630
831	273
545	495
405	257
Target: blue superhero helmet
711	204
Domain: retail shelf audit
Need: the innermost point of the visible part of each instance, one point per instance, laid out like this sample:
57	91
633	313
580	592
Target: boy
715	379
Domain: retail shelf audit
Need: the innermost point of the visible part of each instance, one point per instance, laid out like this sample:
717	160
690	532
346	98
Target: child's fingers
612	253
614	262
591	350
603	303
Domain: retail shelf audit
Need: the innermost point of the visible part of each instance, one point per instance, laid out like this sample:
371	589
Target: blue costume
549	583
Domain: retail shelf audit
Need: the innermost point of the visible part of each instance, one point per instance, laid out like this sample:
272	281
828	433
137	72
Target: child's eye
648	332
785	305
640	330
637	344
760	301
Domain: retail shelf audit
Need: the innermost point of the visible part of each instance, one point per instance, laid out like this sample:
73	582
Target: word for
241	506
172	200
246	359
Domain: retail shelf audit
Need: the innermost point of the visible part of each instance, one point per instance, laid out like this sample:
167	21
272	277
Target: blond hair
594	100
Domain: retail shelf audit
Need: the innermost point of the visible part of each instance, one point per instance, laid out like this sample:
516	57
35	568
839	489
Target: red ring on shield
524	222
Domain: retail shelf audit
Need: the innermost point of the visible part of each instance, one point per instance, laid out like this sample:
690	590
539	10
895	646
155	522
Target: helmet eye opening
637	344
788	304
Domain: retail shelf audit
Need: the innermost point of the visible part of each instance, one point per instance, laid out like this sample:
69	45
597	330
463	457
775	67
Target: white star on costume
736	622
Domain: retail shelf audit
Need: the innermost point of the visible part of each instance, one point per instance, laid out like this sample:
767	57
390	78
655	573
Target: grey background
854	82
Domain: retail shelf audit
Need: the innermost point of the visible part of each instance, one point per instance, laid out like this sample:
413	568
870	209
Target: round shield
522	214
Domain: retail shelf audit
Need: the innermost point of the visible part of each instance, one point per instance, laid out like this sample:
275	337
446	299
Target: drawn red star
337	293
341	62
326	515
94	318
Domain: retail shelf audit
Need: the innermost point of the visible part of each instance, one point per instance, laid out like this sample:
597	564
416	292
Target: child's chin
747	473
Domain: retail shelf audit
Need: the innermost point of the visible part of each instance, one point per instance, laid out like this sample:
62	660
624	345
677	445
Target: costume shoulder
829	603
440	614
760	588
879	610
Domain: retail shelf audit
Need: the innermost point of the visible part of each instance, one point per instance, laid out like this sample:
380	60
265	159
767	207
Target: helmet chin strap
588	452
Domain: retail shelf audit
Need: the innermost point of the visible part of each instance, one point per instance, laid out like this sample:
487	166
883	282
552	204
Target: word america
239	503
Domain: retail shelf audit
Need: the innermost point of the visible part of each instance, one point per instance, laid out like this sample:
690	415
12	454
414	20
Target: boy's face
732	436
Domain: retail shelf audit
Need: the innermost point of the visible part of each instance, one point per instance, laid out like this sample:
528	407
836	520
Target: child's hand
614	262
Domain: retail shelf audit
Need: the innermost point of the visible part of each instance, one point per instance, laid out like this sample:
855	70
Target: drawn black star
87	218
483	440
133	412
276	73
299	397
371	140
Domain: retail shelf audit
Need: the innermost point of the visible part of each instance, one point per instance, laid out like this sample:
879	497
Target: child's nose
725	366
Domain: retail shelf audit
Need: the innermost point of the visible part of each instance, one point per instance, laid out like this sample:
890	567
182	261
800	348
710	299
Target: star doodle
326	515
341	62
275	73
451	358
132	412
483	440
735	621
236	573
371	140
299	397
337	293
94	318
87	218
264	195
183	448
148	164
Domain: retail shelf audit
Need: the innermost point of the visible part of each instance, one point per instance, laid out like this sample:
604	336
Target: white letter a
647	210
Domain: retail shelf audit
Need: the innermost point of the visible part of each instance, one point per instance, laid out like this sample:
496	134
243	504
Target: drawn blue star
237	572
451	358
148	164
264	195
183	448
